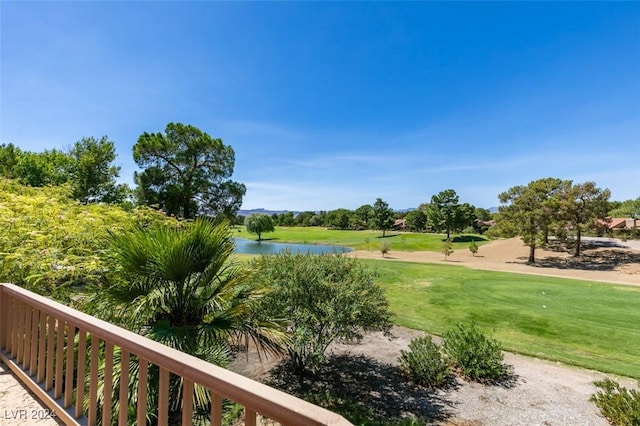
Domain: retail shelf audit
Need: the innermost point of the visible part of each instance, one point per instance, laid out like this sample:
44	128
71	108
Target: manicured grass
361	240
588	324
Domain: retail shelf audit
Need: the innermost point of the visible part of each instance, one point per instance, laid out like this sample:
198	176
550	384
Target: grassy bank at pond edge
361	240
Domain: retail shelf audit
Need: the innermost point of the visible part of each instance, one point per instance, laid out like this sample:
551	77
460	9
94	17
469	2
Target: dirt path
543	392
540	393
613	265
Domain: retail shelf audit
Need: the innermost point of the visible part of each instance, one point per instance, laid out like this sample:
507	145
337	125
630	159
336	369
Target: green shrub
447	248
619	405
385	248
473	354
473	247
424	363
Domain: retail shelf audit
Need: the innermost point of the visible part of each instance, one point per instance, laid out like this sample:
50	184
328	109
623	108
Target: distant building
617	223
399	224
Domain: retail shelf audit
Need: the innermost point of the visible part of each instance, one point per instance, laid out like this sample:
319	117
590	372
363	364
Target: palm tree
178	286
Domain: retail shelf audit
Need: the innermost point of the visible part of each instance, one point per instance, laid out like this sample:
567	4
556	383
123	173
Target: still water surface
253	247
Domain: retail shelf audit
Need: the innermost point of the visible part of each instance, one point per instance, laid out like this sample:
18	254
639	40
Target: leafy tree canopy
628	208
187	173
323	298
382	216
87	167
416	220
443	210
93	175
365	214
259	224
527	209
581	204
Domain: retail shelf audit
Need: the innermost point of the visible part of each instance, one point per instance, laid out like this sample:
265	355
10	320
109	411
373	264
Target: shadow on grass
387	236
365	391
467	238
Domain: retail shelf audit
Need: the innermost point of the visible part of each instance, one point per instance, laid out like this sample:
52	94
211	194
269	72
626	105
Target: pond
253	247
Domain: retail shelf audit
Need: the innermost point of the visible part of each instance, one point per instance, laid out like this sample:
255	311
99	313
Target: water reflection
253	247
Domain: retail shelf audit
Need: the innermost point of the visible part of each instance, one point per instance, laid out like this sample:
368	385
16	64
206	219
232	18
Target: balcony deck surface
18	406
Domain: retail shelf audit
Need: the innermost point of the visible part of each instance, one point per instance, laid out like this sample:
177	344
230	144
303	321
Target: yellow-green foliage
49	241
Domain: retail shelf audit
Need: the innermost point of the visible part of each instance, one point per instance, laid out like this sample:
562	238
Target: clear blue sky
331	105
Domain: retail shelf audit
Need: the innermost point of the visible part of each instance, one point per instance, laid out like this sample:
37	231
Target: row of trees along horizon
187	173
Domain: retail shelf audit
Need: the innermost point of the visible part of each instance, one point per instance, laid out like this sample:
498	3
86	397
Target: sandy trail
510	255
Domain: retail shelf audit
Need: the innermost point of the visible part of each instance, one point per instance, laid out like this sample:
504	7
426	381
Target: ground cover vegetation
473	354
52	244
621	406
465	349
552	318
424	363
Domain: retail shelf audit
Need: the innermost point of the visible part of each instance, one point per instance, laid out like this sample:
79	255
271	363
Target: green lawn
361	240
589	324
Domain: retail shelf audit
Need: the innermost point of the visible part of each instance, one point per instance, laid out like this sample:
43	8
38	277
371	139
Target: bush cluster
475	355
465	349
619	405
424	363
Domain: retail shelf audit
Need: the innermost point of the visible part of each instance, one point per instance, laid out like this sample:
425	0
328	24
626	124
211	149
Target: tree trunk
259	239
532	253
383	231
186	207
448	233
578	237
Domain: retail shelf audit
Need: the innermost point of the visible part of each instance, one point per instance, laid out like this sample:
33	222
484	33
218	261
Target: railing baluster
21	309
141	418
10	304
33	359
68	380
57	390
249	417
216	409
4	319
93	380
42	334
163	398
51	332
187	402
82	360
107	383
123	397
26	352
15	325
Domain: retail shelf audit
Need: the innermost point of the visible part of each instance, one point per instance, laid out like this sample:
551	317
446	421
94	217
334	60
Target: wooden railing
51	348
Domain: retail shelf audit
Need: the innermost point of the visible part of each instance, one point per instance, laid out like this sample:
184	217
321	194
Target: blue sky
331	105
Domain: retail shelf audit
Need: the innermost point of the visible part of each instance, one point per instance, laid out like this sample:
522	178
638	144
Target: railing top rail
266	400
